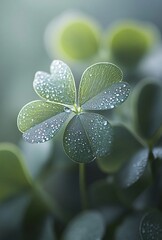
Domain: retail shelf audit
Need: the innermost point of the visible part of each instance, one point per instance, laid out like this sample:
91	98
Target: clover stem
82	184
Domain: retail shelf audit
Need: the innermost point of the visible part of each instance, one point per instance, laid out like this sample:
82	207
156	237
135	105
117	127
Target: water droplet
105	123
66	109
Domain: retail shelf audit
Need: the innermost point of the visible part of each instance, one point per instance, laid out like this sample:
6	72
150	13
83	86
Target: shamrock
88	135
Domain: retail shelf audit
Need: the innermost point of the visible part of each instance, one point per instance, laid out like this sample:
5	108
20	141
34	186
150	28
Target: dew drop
105	123
67	110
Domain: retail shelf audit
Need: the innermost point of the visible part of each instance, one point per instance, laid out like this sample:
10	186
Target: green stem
82	184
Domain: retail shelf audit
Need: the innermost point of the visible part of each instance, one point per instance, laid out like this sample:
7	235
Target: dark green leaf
133	170
134	177
88	225
147	106
120	152
151	226
59	86
87	136
129	228
13	173
97	79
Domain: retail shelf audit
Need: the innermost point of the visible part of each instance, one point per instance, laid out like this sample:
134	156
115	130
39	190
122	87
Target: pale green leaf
115	95
87	136
40	120
88	225
14	176
59	86
36	112
96	79
79	39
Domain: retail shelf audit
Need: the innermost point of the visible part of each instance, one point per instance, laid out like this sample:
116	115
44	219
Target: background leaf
88	225
59	86
14	176
96	79
151	226
129	228
148	117
134	177
130	41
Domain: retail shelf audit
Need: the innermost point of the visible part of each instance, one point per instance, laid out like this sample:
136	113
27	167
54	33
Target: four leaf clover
88	135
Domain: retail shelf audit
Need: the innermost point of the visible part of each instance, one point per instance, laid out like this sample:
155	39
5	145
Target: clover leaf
88	135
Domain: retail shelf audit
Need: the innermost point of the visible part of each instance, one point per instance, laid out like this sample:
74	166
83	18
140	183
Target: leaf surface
59	86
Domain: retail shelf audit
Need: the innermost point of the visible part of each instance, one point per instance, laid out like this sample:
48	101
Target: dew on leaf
76	143
46	130
134	169
151	226
99	133
59	86
112	97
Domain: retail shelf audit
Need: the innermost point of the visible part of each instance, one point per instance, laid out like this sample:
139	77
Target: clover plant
87	135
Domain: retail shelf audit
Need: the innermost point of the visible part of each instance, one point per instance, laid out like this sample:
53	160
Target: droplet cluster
99	133
36	112
76	143
57	87
108	99
45	130
151	228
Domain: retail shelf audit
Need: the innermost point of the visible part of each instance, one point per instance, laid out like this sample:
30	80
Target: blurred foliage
40	196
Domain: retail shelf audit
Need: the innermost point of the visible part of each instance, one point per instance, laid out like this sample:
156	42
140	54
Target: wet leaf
40	121
88	225
11	216
36	157
133	170
151	226
36	112
134	177
113	97
14	176
97	79
103	193
87	136
59	86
